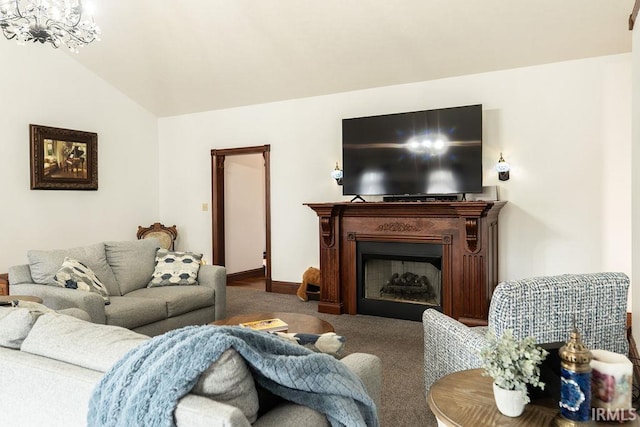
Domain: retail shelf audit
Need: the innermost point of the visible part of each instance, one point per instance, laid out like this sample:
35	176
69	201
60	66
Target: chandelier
47	21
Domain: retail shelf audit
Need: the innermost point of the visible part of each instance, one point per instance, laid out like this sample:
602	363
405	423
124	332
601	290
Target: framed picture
63	159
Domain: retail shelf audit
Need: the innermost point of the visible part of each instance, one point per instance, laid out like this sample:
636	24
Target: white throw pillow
175	268
75	275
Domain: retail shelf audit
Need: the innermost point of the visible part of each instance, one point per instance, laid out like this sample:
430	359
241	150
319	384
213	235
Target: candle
611	380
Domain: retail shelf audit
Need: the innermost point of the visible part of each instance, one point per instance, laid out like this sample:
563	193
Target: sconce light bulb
503	169
336	173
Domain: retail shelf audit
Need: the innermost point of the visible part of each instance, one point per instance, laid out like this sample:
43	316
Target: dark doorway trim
218	157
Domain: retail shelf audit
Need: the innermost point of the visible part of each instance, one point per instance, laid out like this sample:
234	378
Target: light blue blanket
143	388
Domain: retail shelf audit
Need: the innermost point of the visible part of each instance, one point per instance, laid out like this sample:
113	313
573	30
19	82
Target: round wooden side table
465	398
298	323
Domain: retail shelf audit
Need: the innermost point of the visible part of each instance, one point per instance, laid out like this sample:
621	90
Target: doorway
218	157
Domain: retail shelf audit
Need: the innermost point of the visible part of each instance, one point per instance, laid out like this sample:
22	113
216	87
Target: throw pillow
16	323
175	268
75	275
44	264
228	380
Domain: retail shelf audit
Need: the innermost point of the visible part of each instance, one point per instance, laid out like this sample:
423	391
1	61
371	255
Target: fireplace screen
399	279
403	280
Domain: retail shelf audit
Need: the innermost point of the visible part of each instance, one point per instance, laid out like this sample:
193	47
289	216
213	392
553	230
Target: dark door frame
218	157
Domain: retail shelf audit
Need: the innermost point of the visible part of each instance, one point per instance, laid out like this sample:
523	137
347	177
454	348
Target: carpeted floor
398	343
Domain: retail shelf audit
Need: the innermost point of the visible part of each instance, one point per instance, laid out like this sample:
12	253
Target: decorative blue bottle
575	382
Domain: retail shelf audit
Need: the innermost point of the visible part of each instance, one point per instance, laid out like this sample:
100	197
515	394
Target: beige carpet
398	343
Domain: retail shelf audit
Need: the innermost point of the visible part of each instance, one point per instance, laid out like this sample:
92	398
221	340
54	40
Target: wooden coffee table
465	398
302	323
5	298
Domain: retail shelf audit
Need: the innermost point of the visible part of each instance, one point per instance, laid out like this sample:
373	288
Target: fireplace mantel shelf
468	232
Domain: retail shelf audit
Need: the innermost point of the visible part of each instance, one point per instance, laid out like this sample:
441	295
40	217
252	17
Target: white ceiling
184	56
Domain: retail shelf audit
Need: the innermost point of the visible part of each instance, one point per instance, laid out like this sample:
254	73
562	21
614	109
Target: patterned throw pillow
75	275
175	268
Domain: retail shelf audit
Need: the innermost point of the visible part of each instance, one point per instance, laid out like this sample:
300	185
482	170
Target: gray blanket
138	391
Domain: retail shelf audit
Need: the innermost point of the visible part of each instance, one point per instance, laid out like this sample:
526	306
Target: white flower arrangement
513	364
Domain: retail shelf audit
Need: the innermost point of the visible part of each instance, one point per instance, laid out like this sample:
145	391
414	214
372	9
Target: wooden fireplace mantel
468	232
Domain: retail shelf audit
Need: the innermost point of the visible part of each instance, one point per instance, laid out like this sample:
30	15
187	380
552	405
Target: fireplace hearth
399	280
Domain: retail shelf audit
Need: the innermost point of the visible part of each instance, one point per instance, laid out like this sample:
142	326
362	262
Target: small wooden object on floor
298	323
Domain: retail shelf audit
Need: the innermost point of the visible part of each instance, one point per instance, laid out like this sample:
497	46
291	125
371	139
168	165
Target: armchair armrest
449	346
57	298
215	276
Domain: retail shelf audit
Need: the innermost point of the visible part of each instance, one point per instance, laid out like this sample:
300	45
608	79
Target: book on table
267	325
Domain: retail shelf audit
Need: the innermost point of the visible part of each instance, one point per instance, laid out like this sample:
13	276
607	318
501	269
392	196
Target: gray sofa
49	376
125	268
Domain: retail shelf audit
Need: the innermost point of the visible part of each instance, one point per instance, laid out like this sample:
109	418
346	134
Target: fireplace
465	232
398	279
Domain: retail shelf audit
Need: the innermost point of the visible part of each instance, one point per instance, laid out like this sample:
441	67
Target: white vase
509	402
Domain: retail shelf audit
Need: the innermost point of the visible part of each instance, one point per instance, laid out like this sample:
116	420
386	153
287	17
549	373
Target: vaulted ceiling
184	56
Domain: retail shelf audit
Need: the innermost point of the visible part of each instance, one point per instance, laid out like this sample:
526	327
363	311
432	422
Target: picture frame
63	159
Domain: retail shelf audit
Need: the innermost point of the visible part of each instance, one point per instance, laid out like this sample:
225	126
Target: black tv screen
428	152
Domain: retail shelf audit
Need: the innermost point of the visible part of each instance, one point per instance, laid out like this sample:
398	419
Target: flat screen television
431	152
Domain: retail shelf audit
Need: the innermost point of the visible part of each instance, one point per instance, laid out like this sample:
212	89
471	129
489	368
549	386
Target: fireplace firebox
398	280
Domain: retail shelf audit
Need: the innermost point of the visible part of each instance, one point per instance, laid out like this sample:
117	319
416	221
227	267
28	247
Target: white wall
563	127
45	86
244	212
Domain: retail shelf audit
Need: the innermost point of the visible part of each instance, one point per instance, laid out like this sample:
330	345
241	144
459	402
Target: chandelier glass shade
56	22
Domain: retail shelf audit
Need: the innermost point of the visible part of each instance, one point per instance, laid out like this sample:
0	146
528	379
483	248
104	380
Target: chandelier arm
90	36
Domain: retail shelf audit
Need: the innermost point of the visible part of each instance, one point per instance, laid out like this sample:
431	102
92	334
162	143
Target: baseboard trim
242	275
284	287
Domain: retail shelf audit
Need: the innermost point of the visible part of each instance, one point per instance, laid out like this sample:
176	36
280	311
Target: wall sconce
503	169
337	174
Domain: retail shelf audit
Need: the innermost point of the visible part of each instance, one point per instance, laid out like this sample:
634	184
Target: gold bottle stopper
574	355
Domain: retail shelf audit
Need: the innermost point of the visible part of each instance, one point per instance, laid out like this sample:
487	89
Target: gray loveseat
50	368
125	268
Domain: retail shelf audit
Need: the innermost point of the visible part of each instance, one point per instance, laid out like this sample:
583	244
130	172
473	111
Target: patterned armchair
543	307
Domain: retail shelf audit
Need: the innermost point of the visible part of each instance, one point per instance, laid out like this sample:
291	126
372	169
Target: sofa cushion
131	312
132	262
228	380
16	322
75	275
45	264
179	299
175	268
81	343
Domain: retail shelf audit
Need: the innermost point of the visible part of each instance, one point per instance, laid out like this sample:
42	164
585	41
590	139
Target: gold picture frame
63	159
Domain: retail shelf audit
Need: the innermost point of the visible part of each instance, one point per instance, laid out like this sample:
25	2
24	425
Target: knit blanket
144	387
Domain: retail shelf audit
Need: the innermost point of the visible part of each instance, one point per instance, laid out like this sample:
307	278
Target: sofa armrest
20	274
369	368
215	276
288	414
449	346
58	298
200	411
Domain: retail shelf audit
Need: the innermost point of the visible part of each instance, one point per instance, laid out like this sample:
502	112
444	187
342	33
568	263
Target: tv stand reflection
356	198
